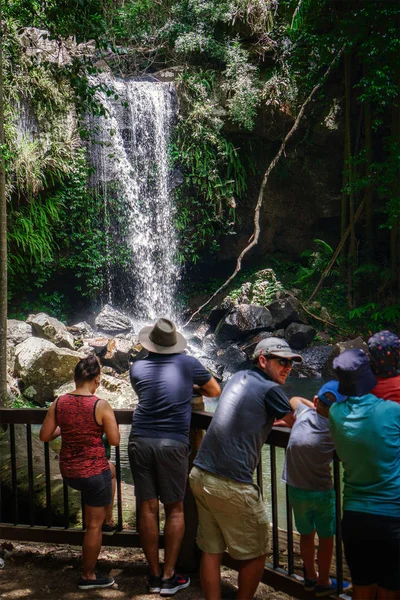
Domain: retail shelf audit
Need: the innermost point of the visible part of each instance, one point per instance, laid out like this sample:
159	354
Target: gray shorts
159	468
96	490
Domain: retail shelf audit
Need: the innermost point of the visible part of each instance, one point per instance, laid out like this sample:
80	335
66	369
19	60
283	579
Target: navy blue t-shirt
164	384
241	424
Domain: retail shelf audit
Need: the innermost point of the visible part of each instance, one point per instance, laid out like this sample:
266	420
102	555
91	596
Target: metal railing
14	526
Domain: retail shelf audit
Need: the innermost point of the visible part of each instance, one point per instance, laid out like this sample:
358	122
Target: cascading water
130	158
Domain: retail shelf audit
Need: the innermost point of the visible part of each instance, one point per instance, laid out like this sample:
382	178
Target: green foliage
242	87
317	261
214	174
373	317
260	288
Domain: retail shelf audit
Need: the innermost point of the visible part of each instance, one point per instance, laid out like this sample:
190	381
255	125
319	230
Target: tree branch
256	234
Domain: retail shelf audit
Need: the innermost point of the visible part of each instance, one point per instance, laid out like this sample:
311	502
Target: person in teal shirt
366	433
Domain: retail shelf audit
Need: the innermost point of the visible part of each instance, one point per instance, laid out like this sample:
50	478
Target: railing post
189	555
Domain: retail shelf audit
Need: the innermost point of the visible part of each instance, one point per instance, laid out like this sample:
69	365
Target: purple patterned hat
384	348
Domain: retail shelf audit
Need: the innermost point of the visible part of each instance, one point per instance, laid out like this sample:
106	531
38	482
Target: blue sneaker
321	591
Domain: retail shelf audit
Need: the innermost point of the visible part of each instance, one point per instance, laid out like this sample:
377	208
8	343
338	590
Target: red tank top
82	450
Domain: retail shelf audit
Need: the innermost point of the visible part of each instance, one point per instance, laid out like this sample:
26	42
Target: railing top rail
200	420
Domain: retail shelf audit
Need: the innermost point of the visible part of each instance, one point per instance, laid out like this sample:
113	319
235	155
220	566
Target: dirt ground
51	572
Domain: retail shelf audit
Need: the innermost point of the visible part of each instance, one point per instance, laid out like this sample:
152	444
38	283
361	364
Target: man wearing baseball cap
222	476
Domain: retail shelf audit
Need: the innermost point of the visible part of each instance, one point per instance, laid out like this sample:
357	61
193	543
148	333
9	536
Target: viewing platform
21	521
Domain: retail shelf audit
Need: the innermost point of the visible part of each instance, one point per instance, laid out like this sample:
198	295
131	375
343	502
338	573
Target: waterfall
129	152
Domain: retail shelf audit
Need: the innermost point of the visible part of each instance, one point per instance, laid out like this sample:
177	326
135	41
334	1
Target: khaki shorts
231	515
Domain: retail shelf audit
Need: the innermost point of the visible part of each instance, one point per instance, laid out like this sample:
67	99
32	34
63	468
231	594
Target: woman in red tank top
81	419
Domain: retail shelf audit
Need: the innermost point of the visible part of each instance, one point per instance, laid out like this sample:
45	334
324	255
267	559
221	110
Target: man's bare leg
250	574
210	575
173	535
148	531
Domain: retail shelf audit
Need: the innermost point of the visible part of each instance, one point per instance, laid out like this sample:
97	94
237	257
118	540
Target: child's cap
333	388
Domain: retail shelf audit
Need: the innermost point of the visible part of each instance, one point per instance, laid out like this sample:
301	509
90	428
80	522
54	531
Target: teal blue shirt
366	433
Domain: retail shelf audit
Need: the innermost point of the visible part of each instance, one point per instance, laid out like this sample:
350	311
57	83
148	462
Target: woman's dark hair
87	369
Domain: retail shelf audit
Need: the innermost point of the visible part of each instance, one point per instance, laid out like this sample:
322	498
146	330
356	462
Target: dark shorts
96	490
159	468
372	548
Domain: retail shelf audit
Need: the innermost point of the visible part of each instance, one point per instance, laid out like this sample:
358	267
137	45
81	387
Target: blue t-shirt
241	424
366	433
164	385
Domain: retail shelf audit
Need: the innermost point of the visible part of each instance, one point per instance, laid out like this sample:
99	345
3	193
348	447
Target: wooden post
189	555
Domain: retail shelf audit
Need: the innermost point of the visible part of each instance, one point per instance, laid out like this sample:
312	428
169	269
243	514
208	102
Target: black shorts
96	490
372	548
159	468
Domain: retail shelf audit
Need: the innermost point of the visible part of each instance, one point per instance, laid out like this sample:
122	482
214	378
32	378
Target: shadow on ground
51	572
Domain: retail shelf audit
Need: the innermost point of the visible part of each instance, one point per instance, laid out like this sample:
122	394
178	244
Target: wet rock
200	333
316	358
51	329
243	319
233	358
18	332
216	314
113	321
337	349
210	347
286	310
299	336
42	367
117	354
249	345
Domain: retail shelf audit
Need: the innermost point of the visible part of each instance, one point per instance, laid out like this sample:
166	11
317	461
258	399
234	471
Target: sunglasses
284	362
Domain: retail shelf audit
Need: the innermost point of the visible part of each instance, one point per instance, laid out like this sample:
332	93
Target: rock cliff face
302	198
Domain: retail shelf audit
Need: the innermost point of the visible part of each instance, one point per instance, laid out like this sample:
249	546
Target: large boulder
242	320
51	329
17	332
118	392
299	336
118	353
42	367
337	349
287	310
113	321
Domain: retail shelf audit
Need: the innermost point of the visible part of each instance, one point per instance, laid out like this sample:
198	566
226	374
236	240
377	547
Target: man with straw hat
159	444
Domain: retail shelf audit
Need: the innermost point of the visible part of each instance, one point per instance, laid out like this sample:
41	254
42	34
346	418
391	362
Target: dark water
295	387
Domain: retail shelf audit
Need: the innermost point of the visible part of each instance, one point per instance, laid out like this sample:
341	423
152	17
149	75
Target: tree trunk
352	248
394	233
3	237
369	251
